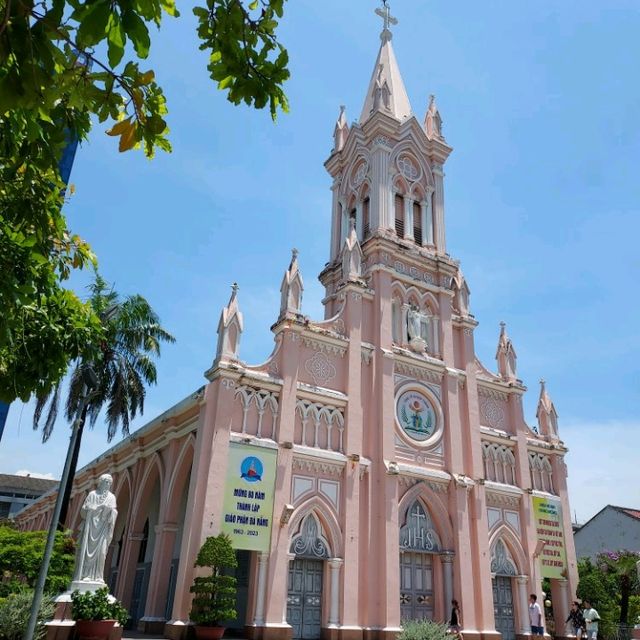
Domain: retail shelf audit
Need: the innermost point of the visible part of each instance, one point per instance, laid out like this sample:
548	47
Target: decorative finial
432	99
388	19
234	288
294	254
503	324
542	383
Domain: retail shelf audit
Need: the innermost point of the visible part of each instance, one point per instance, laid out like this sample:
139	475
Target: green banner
248	496
550	530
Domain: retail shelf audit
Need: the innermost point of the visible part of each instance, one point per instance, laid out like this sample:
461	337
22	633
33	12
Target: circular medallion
251	469
416	415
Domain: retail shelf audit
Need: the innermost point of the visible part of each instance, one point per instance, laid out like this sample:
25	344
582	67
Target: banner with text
549	529
248	496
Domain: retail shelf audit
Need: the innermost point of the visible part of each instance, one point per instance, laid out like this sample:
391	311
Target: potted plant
215	594
96	613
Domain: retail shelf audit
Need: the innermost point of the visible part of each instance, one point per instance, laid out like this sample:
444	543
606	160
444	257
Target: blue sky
540	102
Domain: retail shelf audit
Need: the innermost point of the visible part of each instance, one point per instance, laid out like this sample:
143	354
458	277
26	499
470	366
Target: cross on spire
385	14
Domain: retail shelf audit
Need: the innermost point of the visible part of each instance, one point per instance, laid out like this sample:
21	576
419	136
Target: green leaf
116	39
137	31
93	26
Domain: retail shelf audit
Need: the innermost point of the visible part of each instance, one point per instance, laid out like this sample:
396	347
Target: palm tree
112	375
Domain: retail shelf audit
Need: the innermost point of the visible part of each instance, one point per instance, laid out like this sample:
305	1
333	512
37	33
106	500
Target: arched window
310	541
396	321
142	552
399	213
365	218
417	223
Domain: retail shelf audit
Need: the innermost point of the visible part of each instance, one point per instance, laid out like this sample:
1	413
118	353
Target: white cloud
35	474
603	461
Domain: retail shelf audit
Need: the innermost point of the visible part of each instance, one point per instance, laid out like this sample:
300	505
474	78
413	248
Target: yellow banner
248	496
550	530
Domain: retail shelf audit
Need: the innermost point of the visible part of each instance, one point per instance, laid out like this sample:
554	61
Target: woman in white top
591	617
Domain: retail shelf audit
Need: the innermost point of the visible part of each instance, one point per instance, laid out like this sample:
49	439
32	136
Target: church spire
341	130
230	328
291	289
546	414
386	92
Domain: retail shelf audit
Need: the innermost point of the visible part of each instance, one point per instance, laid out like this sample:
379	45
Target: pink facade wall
329	400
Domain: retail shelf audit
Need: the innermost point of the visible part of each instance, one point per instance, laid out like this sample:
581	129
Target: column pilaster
447	576
438	214
263	561
523	604
154	610
334	607
380	183
408	217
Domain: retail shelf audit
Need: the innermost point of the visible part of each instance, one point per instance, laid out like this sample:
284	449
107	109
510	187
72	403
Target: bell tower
387	168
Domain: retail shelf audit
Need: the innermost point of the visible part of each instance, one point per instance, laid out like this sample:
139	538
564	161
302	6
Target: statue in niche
99	515
417	323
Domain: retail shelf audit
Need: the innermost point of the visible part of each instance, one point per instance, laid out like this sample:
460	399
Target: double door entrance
304	598
416	586
503	607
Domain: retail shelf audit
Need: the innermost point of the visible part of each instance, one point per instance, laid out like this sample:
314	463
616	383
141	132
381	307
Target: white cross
385	14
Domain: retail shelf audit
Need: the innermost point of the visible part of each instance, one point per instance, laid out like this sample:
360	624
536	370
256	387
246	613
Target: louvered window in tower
365	218
417	223
399	210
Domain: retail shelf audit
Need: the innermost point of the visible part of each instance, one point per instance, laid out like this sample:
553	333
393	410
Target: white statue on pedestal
415	320
99	514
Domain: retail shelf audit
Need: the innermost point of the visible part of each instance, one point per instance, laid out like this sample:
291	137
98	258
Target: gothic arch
409	147
361	154
179	478
432	503
510	540
153	472
400	185
324	513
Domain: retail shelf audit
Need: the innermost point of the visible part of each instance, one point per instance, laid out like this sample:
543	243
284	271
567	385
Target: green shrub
215	594
423	630
14	615
96	605
21	555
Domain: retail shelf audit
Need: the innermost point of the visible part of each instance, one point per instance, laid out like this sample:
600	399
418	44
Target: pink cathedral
404	475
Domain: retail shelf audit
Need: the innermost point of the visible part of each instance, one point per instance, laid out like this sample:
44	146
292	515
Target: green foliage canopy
611	585
215	594
21	555
53	85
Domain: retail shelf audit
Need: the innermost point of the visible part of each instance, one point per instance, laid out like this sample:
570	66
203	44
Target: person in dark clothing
577	620
455	622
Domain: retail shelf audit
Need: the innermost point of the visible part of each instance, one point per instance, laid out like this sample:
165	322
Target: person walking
577	619
535	616
591	617
455	621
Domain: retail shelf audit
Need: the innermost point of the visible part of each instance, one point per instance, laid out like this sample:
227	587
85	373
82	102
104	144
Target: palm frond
52	414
